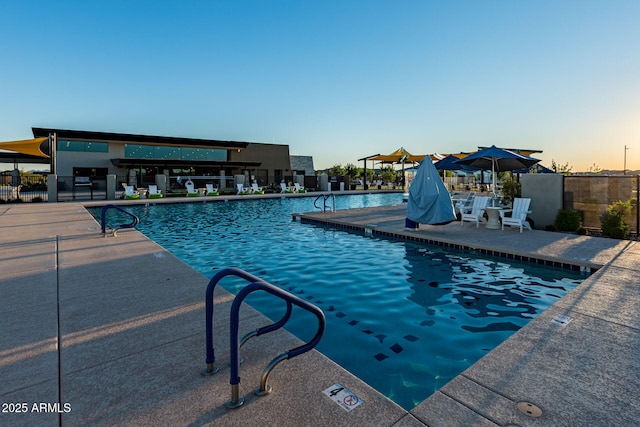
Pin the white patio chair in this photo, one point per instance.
(476, 213)
(465, 205)
(284, 188)
(191, 190)
(241, 189)
(212, 191)
(255, 189)
(518, 216)
(130, 193)
(154, 193)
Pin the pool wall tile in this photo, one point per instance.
(376, 232)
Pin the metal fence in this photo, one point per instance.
(30, 188)
(591, 196)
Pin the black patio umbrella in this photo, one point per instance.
(497, 160)
(449, 163)
(538, 168)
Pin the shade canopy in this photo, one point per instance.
(399, 156)
(34, 147)
(429, 201)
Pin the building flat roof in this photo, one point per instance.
(138, 139)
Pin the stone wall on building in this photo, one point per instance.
(302, 163)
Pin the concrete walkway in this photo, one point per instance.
(110, 331)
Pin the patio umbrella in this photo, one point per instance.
(497, 160)
(449, 163)
(538, 168)
(429, 201)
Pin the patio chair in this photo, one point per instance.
(15, 192)
(241, 189)
(476, 213)
(299, 189)
(518, 216)
(130, 193)
(191, 190)
(284, 188)
(255, 189)
(465, 205)
(212, 191)
(154, 193)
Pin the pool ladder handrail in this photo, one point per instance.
(103, 219)
(255, 284)
(325, 197)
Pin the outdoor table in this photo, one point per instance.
(493, 213)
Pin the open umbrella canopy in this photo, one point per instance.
(537, 168)
(34, 147)
(498, 160)
(450, 163)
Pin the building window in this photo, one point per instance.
(133, 151)
(83, 146)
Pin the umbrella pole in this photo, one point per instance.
(493, 183)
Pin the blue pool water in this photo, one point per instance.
(404, 317)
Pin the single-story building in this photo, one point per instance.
(138, 159)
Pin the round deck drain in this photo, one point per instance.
(529, 409)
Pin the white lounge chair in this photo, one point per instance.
(284, 188)
(241, 189)
(518, 216)
(130, 193)
(255, 189)
(15, 192)
(191, 190)
(212, 191)
(465, 205)
(154, 193)
(299, 188)
(477, 211)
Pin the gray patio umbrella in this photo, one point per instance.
(497, 160)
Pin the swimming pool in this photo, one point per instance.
(413, 316)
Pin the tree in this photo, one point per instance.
(594, 169)
(388, 174)
(351, 170)
(563, 169)
(336, 170)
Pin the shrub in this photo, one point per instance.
(581, 231)
(510, 190)
(567, 220)
(612, 221)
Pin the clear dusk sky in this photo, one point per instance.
(334, 79)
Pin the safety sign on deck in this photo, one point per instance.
(562, 319)
(343, 397)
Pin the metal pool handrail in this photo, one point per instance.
(103, 219)
(325, 197)
(254, 285)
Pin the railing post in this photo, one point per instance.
(235, 344)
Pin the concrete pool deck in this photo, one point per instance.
(114, 328)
